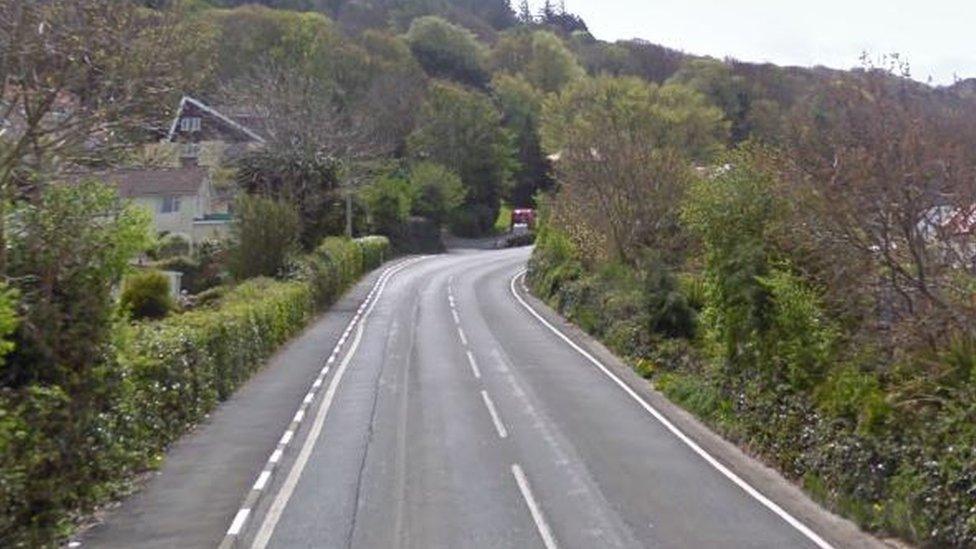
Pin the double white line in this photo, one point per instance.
(357, 322)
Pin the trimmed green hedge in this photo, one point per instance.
(167, 375)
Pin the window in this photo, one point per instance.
(190, 124)
(190, 150)
(171, 204)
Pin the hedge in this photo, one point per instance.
(166, 376)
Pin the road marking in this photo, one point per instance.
(464, 338)
(474, 365)
(540, 521)
(238, 523)
(262, 480)
(738, 481)
(499, 426)
(274, 513)
(286, 438)
(299, 416)
(457, 319)
(275, 456)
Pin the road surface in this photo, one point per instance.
(453, 410)
(460, 418)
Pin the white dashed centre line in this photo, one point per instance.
(499, 426)
(474, 365)
(262, 480)
(464, 338)
(239, 518)
(540, 521)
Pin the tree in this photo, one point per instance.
(521, 106)
(389, 200)
(878, 176)
(437, 191)
(81, 78)
(540, 57)
(552, 65)
(462, 131)
(330, 107)
(448, 51)
(624, 149)
(309, 182)
(264, 235)
(723, 87)
(69, 249)
(525, 16)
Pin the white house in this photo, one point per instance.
(180, 199)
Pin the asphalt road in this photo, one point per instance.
(454, 415)
(438, 405)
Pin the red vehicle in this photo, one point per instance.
(523, 219)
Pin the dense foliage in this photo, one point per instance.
(461, 130)
(264, 235)
(805, 298)
(146, 294)
(155, 380)
(801, 303)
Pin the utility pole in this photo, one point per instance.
(349, 211)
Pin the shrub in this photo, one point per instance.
(388, 200)
(172, 245)
(667, 309)
(799, 338)
(165, 376)
(67, 252)
(264, 234)
(146, 294)
(853, 395)
(375, 250)
(185, 265)
(437, 191)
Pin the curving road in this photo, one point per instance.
(454, 415)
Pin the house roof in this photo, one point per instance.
(141, 182)
(187, 100)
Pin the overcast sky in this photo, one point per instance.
(938, 37)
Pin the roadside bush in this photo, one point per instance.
(799, 338)
(856, 396)
(437, 191)
(146, 295)
(375, 249)
(473, 220)
(667, 309)
(264, 234)
(61, 455)
(389, 200)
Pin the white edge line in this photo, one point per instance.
(540, 521)
(758, 496)
(499, 426)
